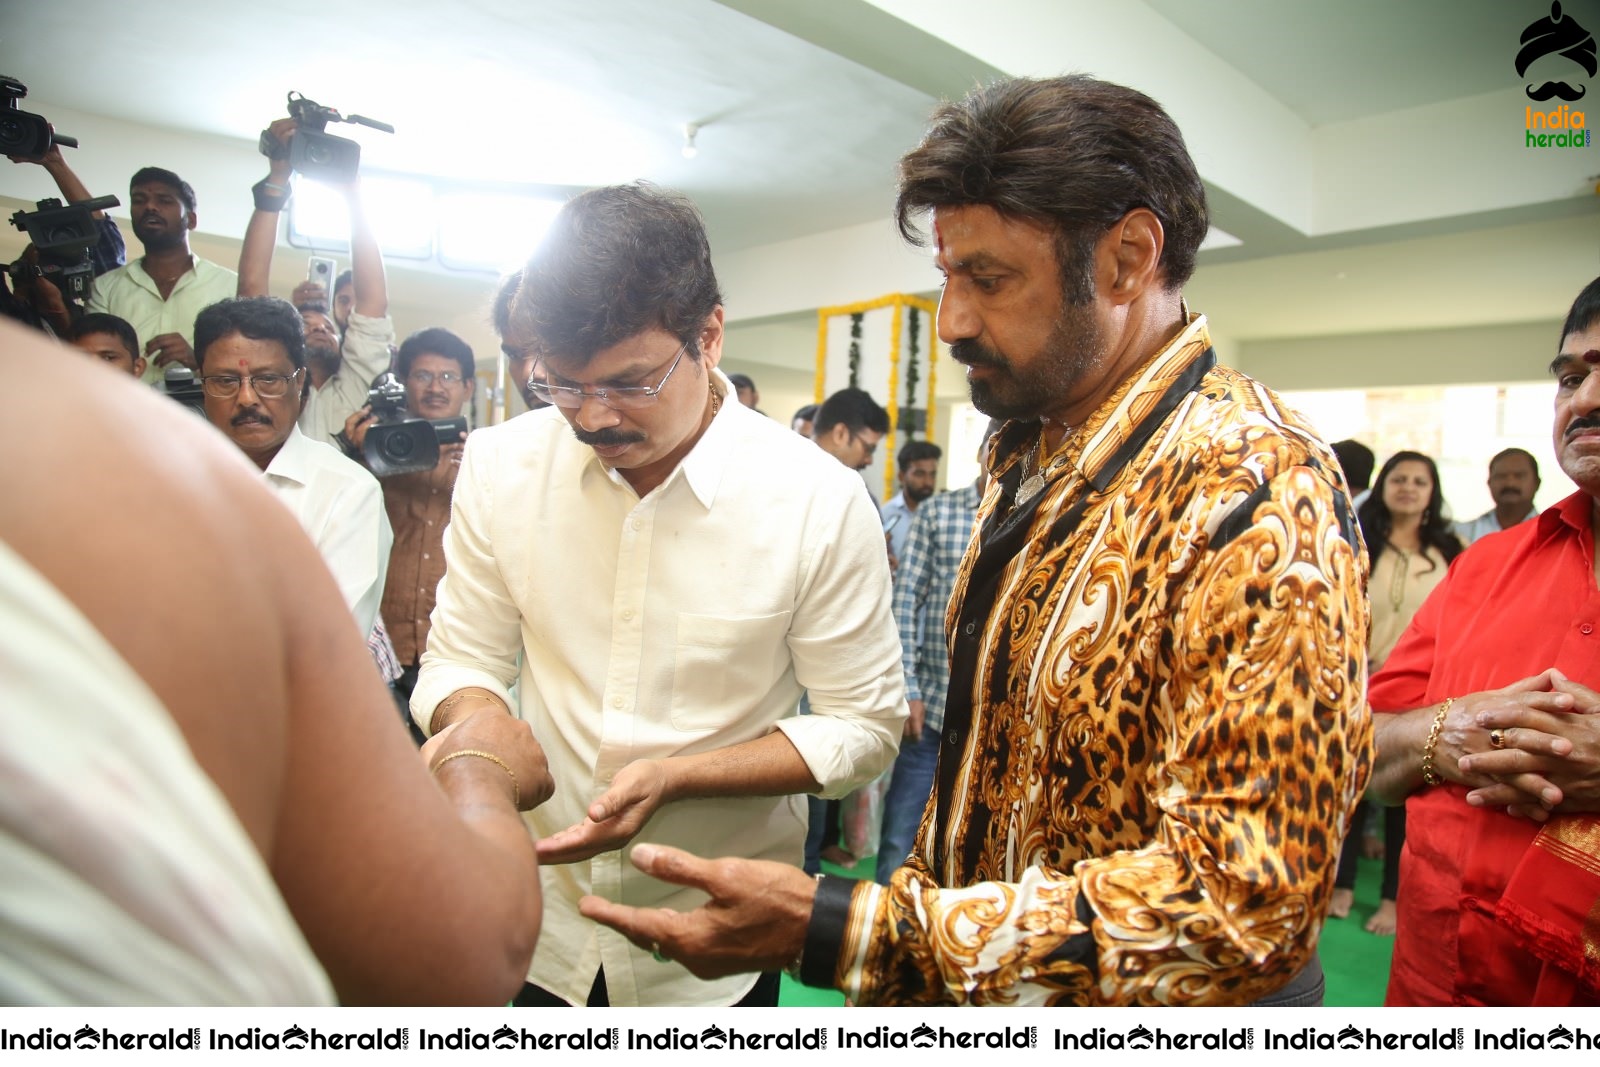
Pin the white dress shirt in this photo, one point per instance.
(340, 507)
(129, 293)
(683, 622)
(365, 355)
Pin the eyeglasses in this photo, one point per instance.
(423, 378)
(621, 397)
(266, 386)
(870, 446)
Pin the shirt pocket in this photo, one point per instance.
(724, 666)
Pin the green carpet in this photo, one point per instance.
(1356, 962)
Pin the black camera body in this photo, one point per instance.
(181, 385)
(313, 151)
(23, 133)
(399, 443)
(63, 235)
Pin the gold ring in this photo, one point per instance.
(1497, 738)
(655, 952)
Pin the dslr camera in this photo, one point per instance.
(23, 133)
(313, 151)
(398, 442)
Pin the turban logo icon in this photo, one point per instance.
(1559, 33)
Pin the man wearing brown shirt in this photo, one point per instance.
(437, 369)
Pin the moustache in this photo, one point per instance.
(971, 353)
(245, 417)
(607, 438)
(1556, 89)
(1580, 424)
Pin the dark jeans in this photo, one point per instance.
(764, 994)
(1394, 838)
(909, 789)
(822, 830)
(402, 697)
(1305, 990)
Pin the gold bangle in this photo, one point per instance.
(1429, 774)
(516, 790)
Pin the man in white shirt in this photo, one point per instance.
(662, 598)
(161, 292)
(1513, 480)
(253, 366)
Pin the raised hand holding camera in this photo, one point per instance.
(311, 150)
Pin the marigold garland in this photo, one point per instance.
(857, 312)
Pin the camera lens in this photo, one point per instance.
(399, 446)
(316, 153)
(12, 134)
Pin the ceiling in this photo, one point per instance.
(805, 105)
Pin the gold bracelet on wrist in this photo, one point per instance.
(516, 790)
(445, 705)
(1430, 774)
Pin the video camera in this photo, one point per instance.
(23, 133)
(398, 443)
(314, 152)
(63, 234)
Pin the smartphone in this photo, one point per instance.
(321, 270)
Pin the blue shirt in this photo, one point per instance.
(929, 561)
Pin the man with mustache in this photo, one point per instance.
(252, 359)
(340, 367)
(437, 370)
(161, 292)
(1155, 730)
(1488, 732)
(917, 470)
(1559, 34)
(661, 600)
(1513, 480)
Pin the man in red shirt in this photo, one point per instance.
(1487, 732)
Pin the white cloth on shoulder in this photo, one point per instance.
(127, 879)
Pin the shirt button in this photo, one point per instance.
(971, 629)
(1586, 628)
(637, 525)
(950, 737)
(616, 702)
(626, 615)
(426, 556)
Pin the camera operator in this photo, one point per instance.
(34, 299)
(437, 368)
(253, 369)
(341, 370)
(161, 292)
(112, 339)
